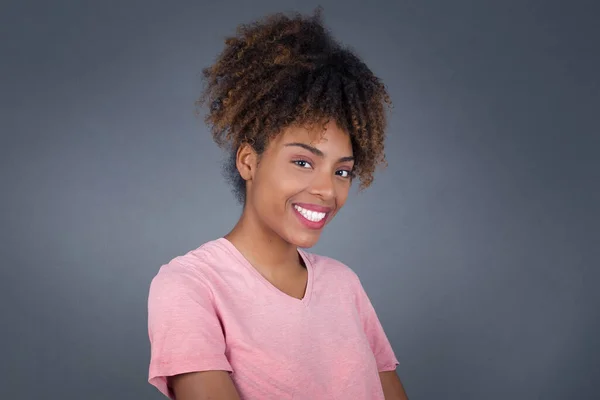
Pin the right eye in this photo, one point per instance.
(302, 163)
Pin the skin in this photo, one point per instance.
(298, 166)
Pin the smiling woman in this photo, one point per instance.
(251, 315)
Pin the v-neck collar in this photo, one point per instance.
(309, 268)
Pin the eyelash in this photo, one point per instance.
(298, 162)
(347, 171)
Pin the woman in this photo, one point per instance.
(250, 315)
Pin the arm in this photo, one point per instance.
(187, 344)
(380, 345)
(207, 385)
(392, 387)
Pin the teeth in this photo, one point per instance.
(313, 216)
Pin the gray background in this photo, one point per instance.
(478, 245)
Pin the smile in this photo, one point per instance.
(313, 216)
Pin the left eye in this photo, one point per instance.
(343, 173)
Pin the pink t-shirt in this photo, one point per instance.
(211, 310)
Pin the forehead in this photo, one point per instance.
(328, 136)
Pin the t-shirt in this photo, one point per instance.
(211, 310)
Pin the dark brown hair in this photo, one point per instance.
(287, 70)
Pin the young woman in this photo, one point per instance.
(250, 315)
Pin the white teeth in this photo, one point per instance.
(313, 216)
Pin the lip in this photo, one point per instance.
(312, 207)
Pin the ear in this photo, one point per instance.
(246, 161)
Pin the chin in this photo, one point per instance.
(305, 241)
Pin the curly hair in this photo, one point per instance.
(287, 70)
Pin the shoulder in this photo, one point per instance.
(192, 270)
(332, 268)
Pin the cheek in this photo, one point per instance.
(277, 185)
(289, 178)
(342, 192)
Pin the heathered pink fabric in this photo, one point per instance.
(211, 310)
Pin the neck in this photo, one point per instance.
(262, 247)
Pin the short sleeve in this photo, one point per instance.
(183, 327)
(380, 345)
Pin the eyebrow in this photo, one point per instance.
(316, 151)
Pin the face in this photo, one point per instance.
(300, 182)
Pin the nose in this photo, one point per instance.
(323, 185)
